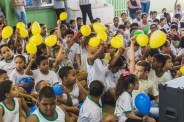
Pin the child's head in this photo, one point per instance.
(151, 54)
(7, 90)
(63, 29)
(142, 69)
(5, 51)
(79, 21)
(168, 65)
(132, 30)
(156, 21)
(123, 16)
(127, 24)
(18, 48)
(40, 85)
(118, 65)
(43, 29)
(68, 37)
(67, 75)
(20, 62)
(151, 14)
(164, 10)
(178, 16)
(56, 52)
(96, 89)
(163, 20)
(47, 101)
(116, 21)
(159, 61)
(173, 29)
(111, 49)
(153, 27)
(134, 25)
(3, 75)
(167, 16)
(166, 47)
(138, 14)
(178, 7)
(127, 81)
(72, 24)
(42, 63)
(42, 49)
(144, 17)
(154, 15)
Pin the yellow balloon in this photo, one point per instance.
(23, 32)
(94, 42)
(102, 35)
(20, 25)
(85, 30)
(63, 16)
(7, 32)
(116, 42)
(157, 39)
(182, 70)
(121, 37)
(142, 39)
(99, 27)
(35, 28)
(36, 39)
(31, 48)
(51, 40)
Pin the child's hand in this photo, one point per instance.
(33, 57)
(59, 44)
(83, 39)
(145, 117)
(33, 99)
(121, 51)
(64, 89)
(59, 22)
(133, 40)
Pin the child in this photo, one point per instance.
(43, 72)
(177, 9)
(44, 33)
(91, 110)
(10, 107)
(168, 65)
(138, 17)
(7, 63)
(144, 22)
(73, 25)
(111, 53)
(43, 50)
(163, 22)
(114, 26)
(76, 90)
(173, 33)
(3, 75)
(156, 21)
(154, 16)
(124, 104)
(123, 18)
(48, 110)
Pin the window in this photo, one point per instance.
(35, 3)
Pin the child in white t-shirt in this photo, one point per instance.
(91, 110)
(177, 9)
(7, 63)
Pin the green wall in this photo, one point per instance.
(40, 14)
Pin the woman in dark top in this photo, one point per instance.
(133, 6)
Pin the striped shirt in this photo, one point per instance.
(84, 2)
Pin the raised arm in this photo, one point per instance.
(28, 69)
(175, 4)
(132, 55)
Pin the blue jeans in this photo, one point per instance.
(21, 16)
(154, 111)
(132, 15)
(145, 7)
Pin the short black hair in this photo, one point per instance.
(2, 71)
(162, 19)
(177, 16)
(78, 18)
(5, 87)
(156, 20)
(64, 71)
(119, 62)
(22, 57)
(39, 59)
(3, 45)
(69, 31)
(123, 13)
(121, 27)
(39, 48)
(116, 18)
(133, 25)
(46, 92)
(160, 58)
(152, 52)
(154, 12)
(163, 30)
(52, 31)
(37, 86)
(96, 88)
(174, 27)
(71, 21)
(41, 24)
(143, 14)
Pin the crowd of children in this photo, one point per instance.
(89, 76)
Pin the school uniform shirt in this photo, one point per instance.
(74, 95)
(74, 49)
(136, 21)
(95, 71)
(137, 54)
(157, 80)
(180, 51)
(10, 115)
(15, 76)
(60, 115)
(8, 66)
(124, 104)
(113, 28)
(177, 12)
(90, 111)
(51, 77)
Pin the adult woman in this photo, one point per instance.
(133, 6)
(145, 6)
(20, 10)
(85, 6)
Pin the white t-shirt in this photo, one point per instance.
(60, 115)
(84, 56)
(180, 51)
(10, 115)
(177, 12)
(157, 80)
(74, 49)
(124, 104)
(74, 95)
(7, 66)
(113, 28)
(51, 77)
(15, 76)
(95, 71)
(137, 54)
(135, 21)
(90, 111)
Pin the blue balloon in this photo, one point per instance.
(32, 109)
(28, 81)
(143, 103)
(57, 89)
(80, 105)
